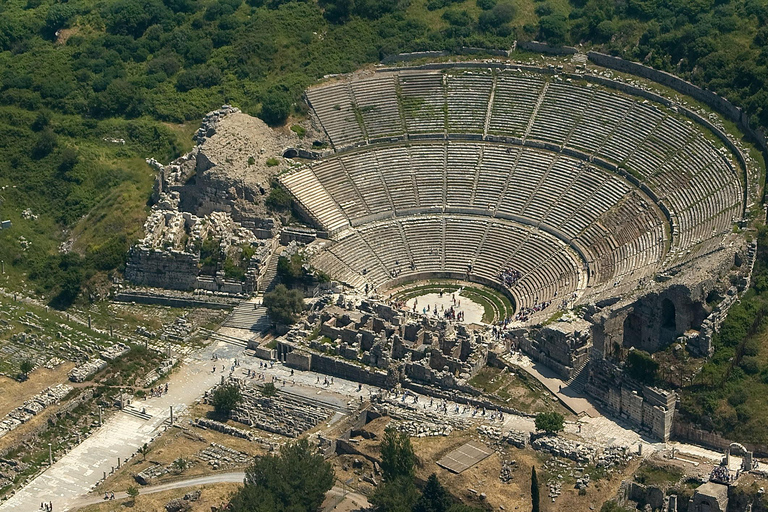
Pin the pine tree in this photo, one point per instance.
(534, 490)
(435, 498)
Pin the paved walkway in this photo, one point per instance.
(333, 497)
(235, 477)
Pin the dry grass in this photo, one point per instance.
(211, 496)
(484, 478)
(14, 393)
(174, 444)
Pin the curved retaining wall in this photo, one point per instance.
(718, 103)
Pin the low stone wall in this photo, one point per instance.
(536, 46)
(686, 432)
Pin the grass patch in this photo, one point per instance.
(651, 474)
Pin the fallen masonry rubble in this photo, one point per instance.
(516, 438)
(507, 467)
(560, 447)
(115, 351)
(84, 371)
(424, 429)
(225, 429)
(33, 406)
(219, 456)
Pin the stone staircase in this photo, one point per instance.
(133, 411)
(249, 316)
(269, 280)
(579, 378)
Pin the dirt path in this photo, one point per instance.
(333, 499)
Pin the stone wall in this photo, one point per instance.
(563, 346)
(536, 46)
(651, 409)
(162, 269)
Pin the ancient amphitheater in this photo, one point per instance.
(577, 190)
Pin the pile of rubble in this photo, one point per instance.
(178, 330)
(613, 456)
(146, 476)
(84, 371)
(9, 469)
(582, 482)
(555, 489)
(516, 438)
(115, 351)
(560, 447)
(166, 365)
(422, 429)
(224, 429)
(505, 475)
(218, 456)
(33, 406)
(409, 412)
(210, 121)
(182, 504)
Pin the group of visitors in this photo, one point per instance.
(510, 276)
(525, 313)
(721, 474)
(158, 391)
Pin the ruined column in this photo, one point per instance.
(50, 454)
(672, 505)
(100, 423)
(171, 415)
(89, 321)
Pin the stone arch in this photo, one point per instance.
(668, 315)
(737, 446)
(632, 330)
(290, 153)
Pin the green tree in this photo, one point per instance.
(284, 305)
(434, 497)
(144, 451)
(26, 366)
(397, 456)
(554, 29)
(549, 422)
(180, 464)
(226, 398)
(275, 108)
(295, 480)
(133, 493)
(641, 366)
(397, 495)
(535, 498)
(269, 389)
(45, 143)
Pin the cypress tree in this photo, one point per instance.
(534, 490)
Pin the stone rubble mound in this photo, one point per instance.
(33, 407)
(86, 370)
(560, 447)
